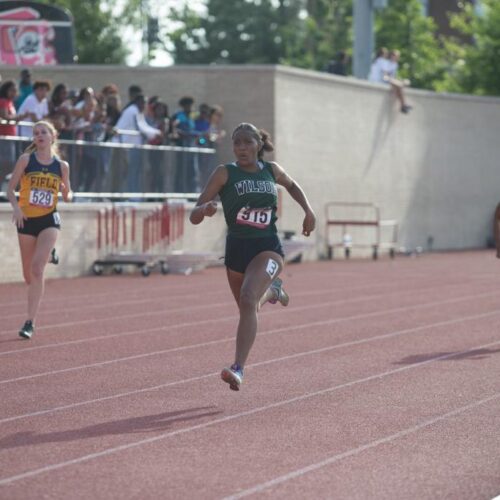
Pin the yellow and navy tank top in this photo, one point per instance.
(249, 201)
(39, 186)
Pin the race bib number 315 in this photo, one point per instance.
(255, 217)
(41, 198)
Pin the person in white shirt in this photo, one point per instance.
(377, 69)
(384, 70)
(132, 119)
(35, 107)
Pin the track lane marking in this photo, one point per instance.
(252, 365)
(259, 488)
(268, 332)
(329, 390)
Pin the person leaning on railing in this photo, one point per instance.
(8, 113)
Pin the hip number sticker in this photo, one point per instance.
(255, 217)
(41, 198)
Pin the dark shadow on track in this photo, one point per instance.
(149, 423)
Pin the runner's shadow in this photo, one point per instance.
(149, 423)
(475, 354)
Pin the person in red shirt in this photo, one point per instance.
(8, 92)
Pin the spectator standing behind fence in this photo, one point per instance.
(35, 107)
(184, 133)
(132, 119)
(60, 111)
(8, 92)
(25, 87)
(202, 129)
(88, 127)
(160, 120)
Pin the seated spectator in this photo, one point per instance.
(378, 66)
(35, 107)
(384, 69)
(25, 87)
(391, 69)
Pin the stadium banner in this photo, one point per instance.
(35, 34)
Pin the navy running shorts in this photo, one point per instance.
(35, 225)
(241, 251)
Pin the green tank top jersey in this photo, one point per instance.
(249, 201)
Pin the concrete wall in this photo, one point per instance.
(434, 170)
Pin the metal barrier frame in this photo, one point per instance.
(374, 222)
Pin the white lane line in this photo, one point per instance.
(194, 346)
(119, 303)
(259, 488)
(194, 307)
(309, 395)
(24, 349)
(124, 316)
(253, 365)
(226, 318)
(163, 311)
(167, 287)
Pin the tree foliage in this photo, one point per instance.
(476, 67)
(244, 31)
(403, 26)
(97, 29)
(325, 30)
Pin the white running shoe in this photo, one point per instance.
(232, 376)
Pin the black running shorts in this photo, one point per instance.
(241, 251)
(35, 225)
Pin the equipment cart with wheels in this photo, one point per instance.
(350, 225)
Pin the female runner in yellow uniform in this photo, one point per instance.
(41, 175)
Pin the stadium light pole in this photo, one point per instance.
(364, 35)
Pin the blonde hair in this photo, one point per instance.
(54, 148)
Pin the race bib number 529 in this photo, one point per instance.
(255, 217)
(41, 198)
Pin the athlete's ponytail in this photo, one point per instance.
(54, 148)
(267, 145)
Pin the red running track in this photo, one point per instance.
(381, 380)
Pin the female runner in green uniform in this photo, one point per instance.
(254, 257)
